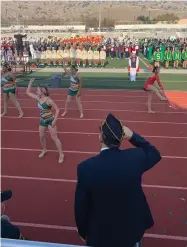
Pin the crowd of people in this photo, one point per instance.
(94, 50)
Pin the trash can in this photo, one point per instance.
(56, 81)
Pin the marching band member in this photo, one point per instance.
(102, 57)
(60, 55)
(84, 56)
(42, 56)
(38, 56)
(133, 66)
(184, 57)
(96, 58)
(72, 55)
(66, 56)
(2, 54)
(137, 48)
(17, 58)
(9, 54)
(149, 52)
(176, 58)
(167, 57)
(90, 56)
(78, 56)
(14, 57)
(25, 56)
(157, 57)
(31, 50)
(54, 55)
(48, 56)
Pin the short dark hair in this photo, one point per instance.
(111, 143)
(156, 68)
(74, 67)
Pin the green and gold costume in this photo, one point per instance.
(46, 115)
(9, 85)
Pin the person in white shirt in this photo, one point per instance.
(90, 56)
(78, 56)
(102, 57)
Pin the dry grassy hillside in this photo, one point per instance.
(30, 12)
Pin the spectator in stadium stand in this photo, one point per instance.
(8, 230)
(110, 206)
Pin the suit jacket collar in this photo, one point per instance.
(105, 148)
(108, 150)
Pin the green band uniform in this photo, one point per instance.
(168, 56)
(184, 55)
(176, 55)
(158, 56)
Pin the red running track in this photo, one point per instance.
(46, 211)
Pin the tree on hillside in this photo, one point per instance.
(169, 18)
(144, 19)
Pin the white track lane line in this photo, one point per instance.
(74, 181)
(69, 228)
(85, 133)
(100, 120)
(106, 102)
(79, 152)
(108, 110)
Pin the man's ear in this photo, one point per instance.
(101, 138)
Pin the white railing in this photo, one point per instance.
(23, 243)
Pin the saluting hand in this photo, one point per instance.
(128, 133)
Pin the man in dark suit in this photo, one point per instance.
(110, 206)
(8, 230)
(19, 43)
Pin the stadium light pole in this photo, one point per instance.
(100, 1)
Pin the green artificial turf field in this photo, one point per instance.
(111, 80)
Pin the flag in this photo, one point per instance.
(177, 100)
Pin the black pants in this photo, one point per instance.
(19, 48)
